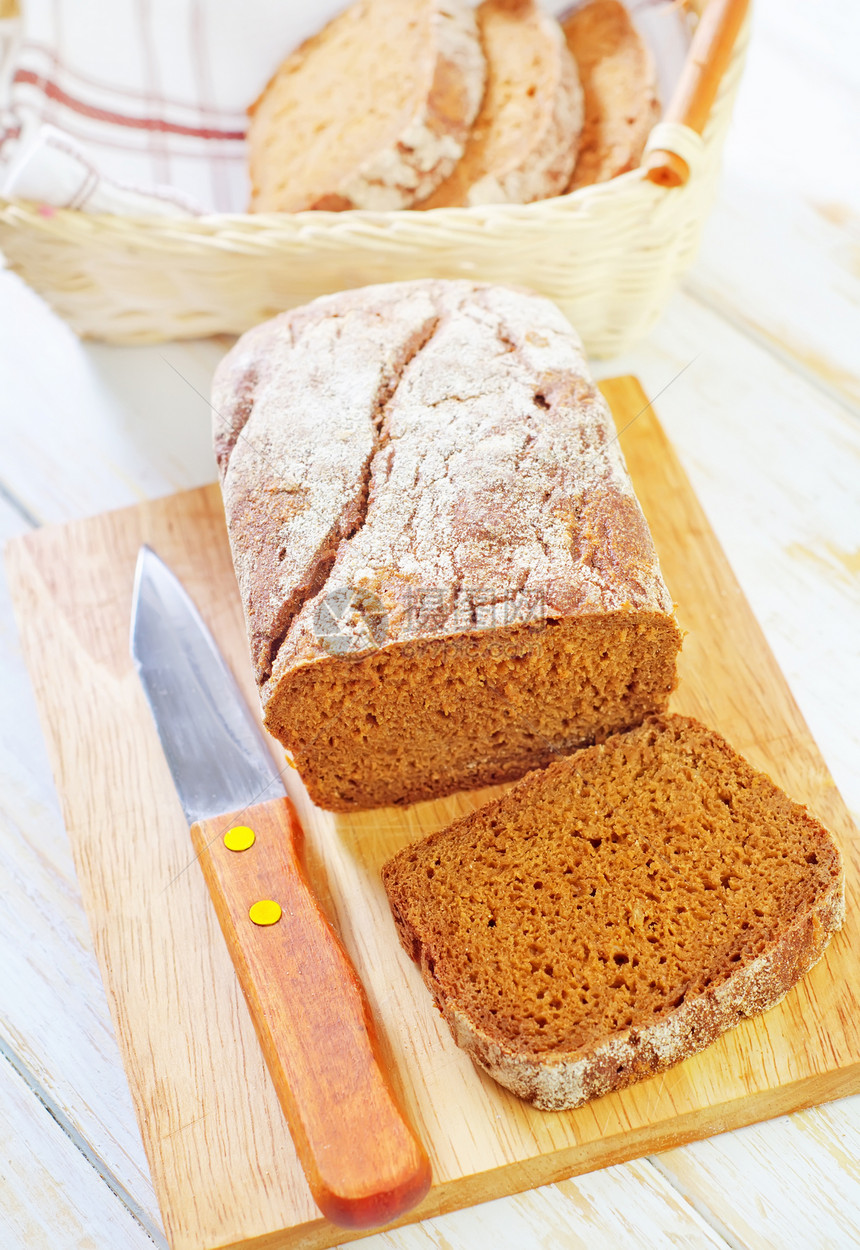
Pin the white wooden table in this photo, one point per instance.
(767, 422)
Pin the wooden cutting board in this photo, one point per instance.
(221, 1157)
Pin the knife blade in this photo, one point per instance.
(362, 1160)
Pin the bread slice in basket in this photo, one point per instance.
(372, 112)
(524, 142)
(617, 911)
(620, 85)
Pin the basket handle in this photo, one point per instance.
(690, 106)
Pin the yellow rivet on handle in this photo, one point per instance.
(239, 838)
(265, 912)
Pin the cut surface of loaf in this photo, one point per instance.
(445, 573)
(524, 142)
(620, 85)
(372, 112)
(616, 912)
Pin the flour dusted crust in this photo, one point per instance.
(431, 462)
(468, 478)
(316, 144)
(524, 142)
(620, 84)
(440, 925)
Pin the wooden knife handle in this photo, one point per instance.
(364, 1164)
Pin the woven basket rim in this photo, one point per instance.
(314, 221)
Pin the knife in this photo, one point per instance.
(364, 1164)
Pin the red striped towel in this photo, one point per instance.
(152, 93)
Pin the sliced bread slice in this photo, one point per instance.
(373, 112)
(620, 85)
(524, 141)
(617, 911)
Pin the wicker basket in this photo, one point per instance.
(609, 254)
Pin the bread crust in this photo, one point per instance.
(544, 163)
(619, 81)
(418, 157)
(363, 486)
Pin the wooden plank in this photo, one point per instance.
(622, 1208)
(50, 1195)
(779, 252)
(53, 1008)
(757, 1183)
(222, 1163)
(52, 1002)
(89, 427)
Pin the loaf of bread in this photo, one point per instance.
(373, 112)
(524, 142)
(620, 85)
(616, 912)
(446, 576)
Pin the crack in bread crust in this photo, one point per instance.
(355, 513)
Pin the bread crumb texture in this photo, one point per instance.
(615, 912)
(445, 572)
(373, 112)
